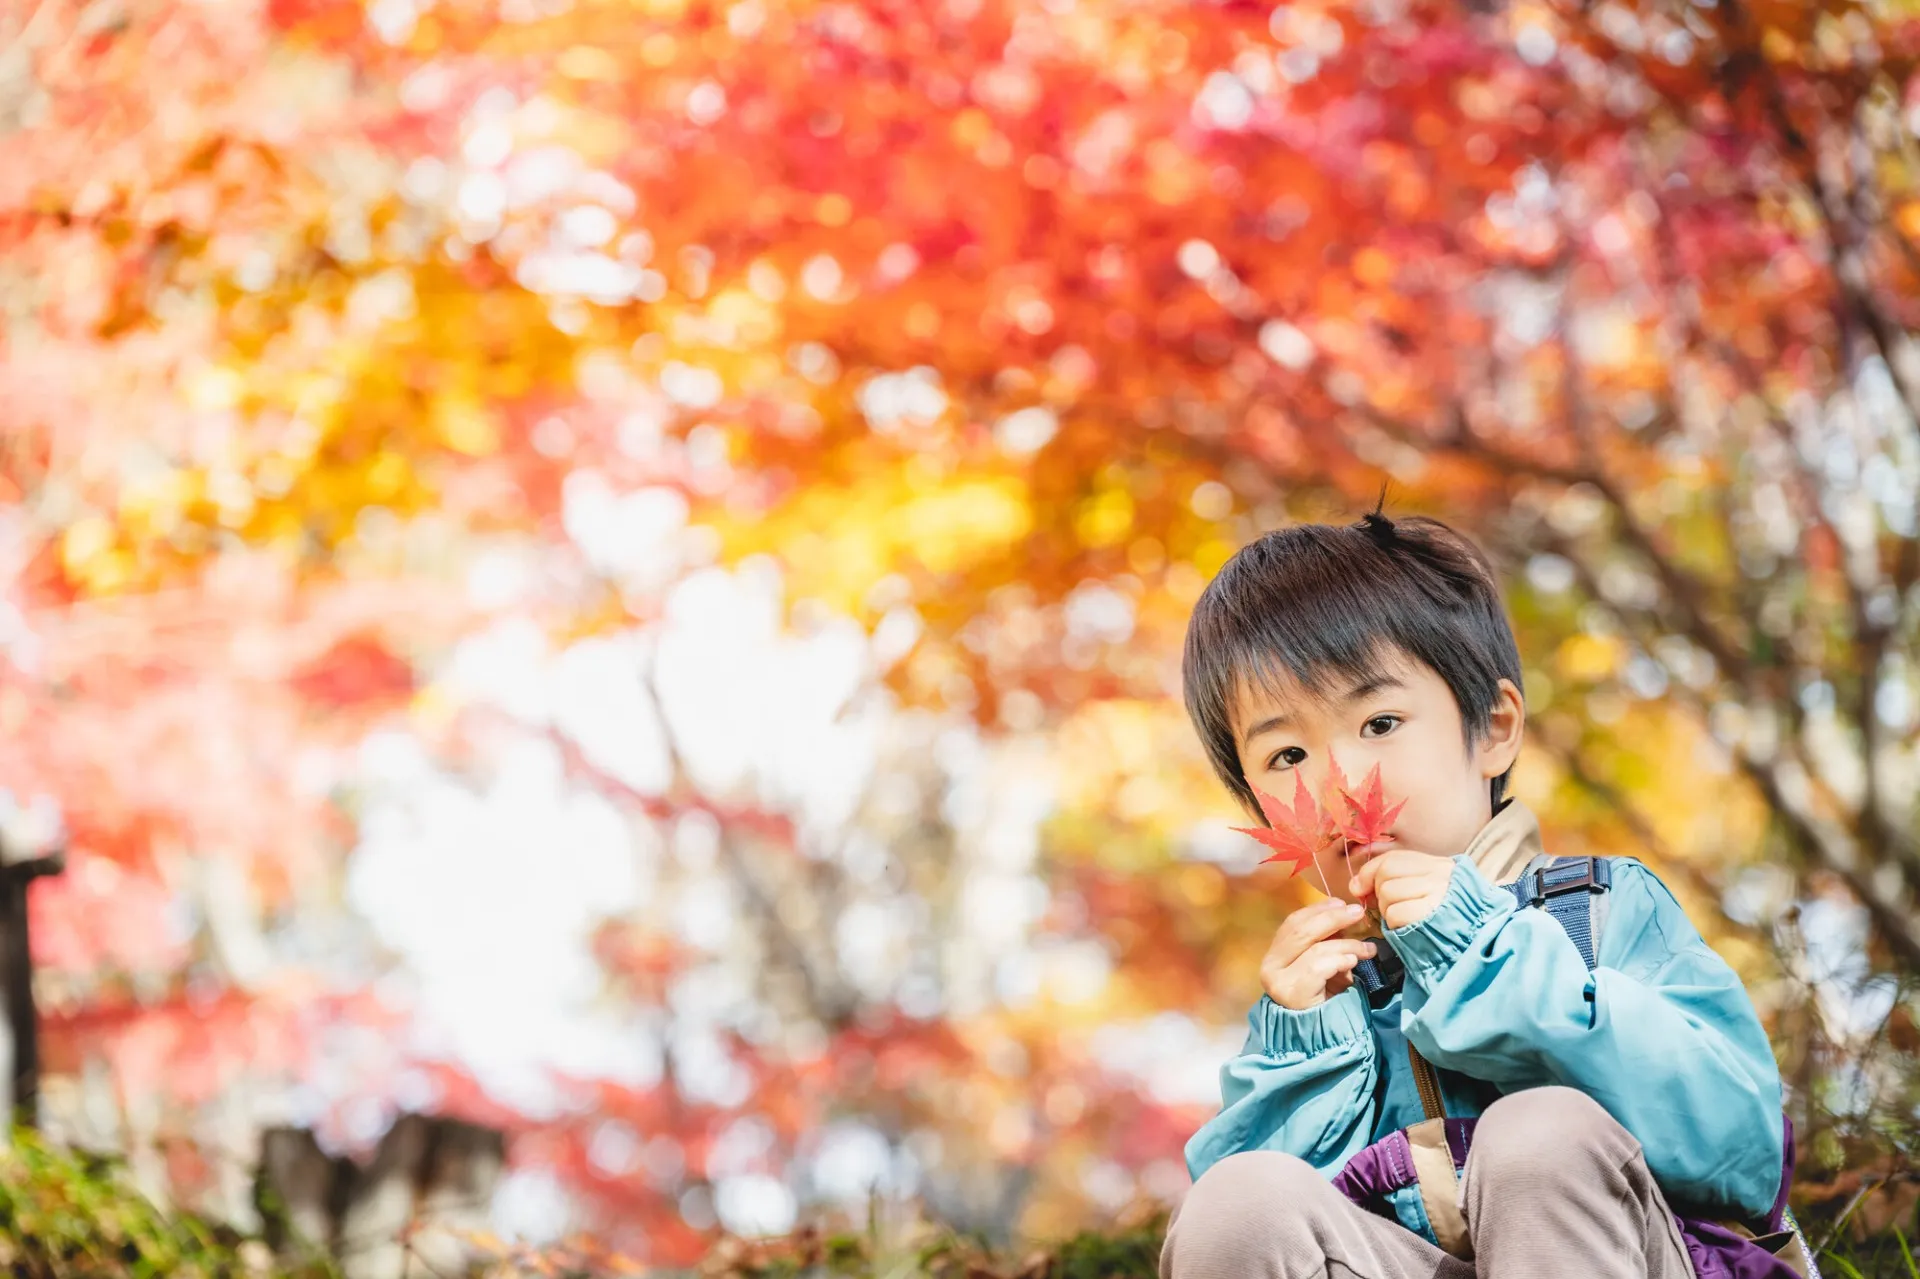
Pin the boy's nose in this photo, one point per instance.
(1324, 769)
(1324, 775)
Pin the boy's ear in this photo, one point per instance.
(1506, 726)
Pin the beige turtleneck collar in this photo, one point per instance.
(1504, 846)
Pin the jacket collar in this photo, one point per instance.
(1506, 844)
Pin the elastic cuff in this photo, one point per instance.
(1285, 1032)
(1431, 945)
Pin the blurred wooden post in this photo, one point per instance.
(295, 1192)
(374, 1223)
(20, 1053)
(400, 1216)
(456, 1195)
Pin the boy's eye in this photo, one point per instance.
(1391, 721)
(1291, 756)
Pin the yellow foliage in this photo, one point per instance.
(1105, 519)
(838, 541)
(583, 62)
(1136, 759)
(1586, 658)
(153, 504)
(737, 318)
(1908, 219)
(85, 538)
(947, 528)
(1202, 886)
(465, 425)
(1211, 556)
(214, 388)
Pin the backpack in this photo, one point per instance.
(1432, 1154)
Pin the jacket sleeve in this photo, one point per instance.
(1661, 1033)
(1303, 1084)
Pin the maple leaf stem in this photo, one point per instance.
(1346, 851)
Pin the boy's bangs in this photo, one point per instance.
(1295, 665)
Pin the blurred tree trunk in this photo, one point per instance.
(400, 1214)
(20, 1028)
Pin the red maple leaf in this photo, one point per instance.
(1366, 817)
(1294, 833)
(357, 669)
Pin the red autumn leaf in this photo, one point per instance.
(1367, 817)
(1333, 790)
(1294, 833)
(357, 670)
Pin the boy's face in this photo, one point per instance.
(1404, 719)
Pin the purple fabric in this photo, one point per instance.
(1387, 1165)
(1374, 1173)
(1777, 1219)
(1459, 1137)
(1716, 1251)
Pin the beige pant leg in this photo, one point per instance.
(1555, 1186)
(1265, 1215)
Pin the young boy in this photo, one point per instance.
(1599, 1102)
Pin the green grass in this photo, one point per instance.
(69, 1213)
(1887, 1256)
(927, 1249)
(66, 1213)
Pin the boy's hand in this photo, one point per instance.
(1307, 964)
(1405, 887)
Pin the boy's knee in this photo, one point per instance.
(1257, 1180)
(1246, 1206)
(1547, 1136)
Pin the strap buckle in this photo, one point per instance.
(1589, 873)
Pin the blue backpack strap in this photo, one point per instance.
(1380, 977)
(1565, 889)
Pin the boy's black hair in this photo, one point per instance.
(1319, 599)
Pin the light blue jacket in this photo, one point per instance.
(1661, 1033)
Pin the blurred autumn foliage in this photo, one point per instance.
(616, 570)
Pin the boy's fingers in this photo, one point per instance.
(1324, 967)
(1393, 865)
(1401, 862)
(1341, 953)
(1366, 884)
(1335, 963)
(1332, 908)
(1321, 920)
(1400, 888)
(1304, 930)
